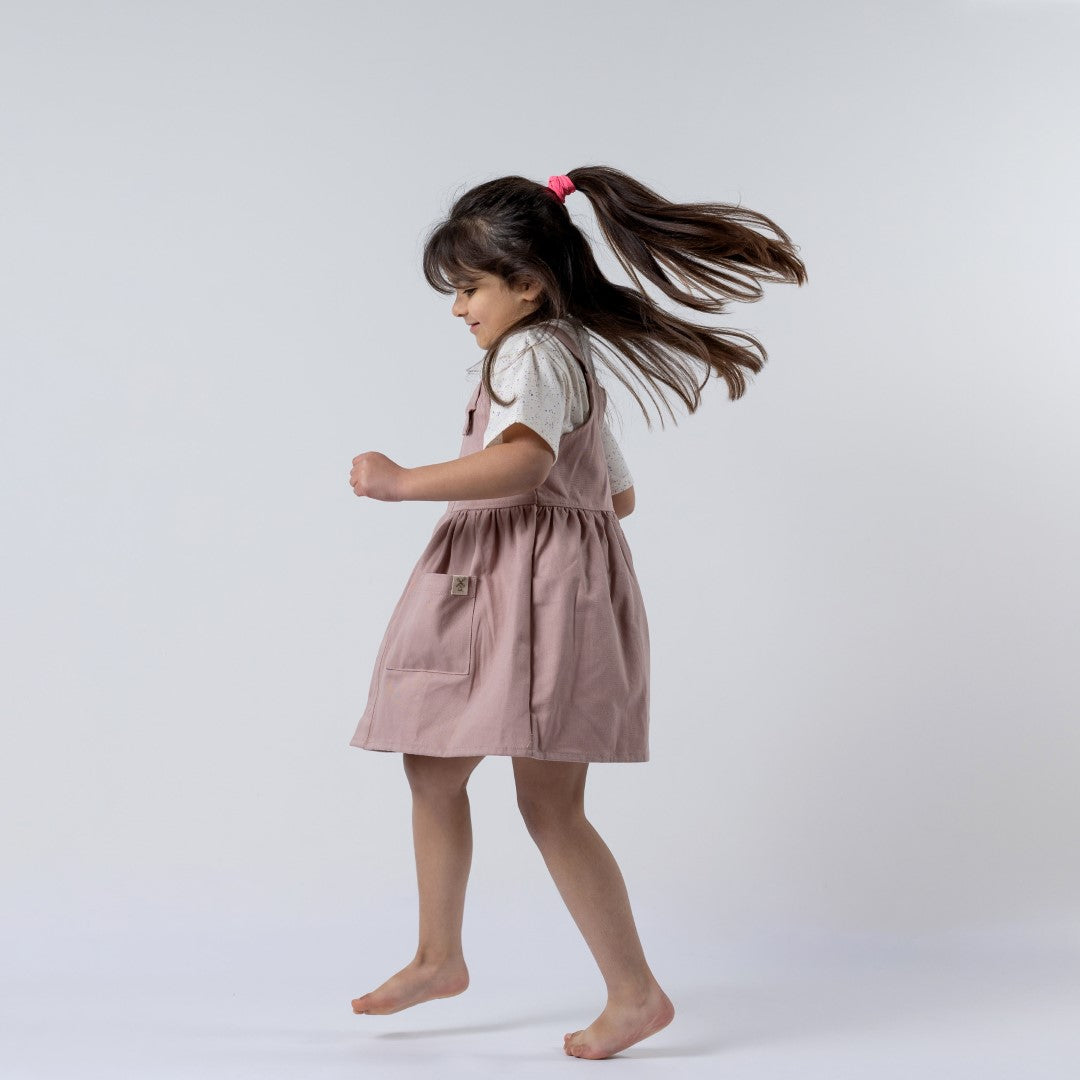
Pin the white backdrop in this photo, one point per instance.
(861, 578)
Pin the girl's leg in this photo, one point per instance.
(551, 797)
(442, 839)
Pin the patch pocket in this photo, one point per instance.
(433, 630)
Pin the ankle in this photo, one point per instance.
(438, 958)
(633, 994)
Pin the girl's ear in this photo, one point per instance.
(530, 289)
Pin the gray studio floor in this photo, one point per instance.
(271, 1000)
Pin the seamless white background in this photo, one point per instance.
(861, 577)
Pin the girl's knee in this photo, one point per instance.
(546, 817)
(550, 795)
(438, 775)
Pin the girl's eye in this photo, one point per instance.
(467, 291)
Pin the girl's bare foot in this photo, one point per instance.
(418, 981)
(621, 1025)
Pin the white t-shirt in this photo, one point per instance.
(536, 369)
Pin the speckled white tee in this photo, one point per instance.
(551, 397)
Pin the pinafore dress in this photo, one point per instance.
(521, 630)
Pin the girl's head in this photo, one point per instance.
(512, 256)
(507, 250)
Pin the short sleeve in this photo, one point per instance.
(618, 472)
(537, 384)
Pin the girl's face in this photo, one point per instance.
(489, 305)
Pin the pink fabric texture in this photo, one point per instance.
(562, 186)
(521, 630)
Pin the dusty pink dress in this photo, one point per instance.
(521, 630)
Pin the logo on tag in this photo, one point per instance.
(459, 585)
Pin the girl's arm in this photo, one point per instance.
(623, 501)
(519, 463)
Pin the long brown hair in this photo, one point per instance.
(519, 229)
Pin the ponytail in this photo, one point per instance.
(517, 228)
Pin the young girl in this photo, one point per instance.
(521, 631)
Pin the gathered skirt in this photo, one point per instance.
(521, 631)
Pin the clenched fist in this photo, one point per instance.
(376, 476)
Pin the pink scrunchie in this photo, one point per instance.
(562, 186)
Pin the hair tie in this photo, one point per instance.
(561, 185)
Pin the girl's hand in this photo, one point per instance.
(376, 476)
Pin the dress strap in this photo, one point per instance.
(471, 408)
(585, 363)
